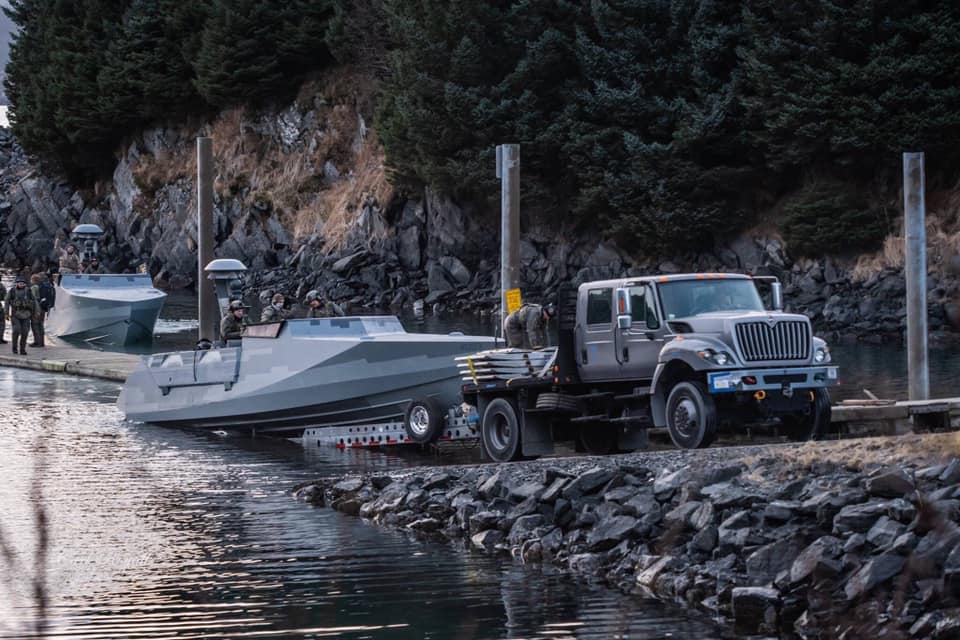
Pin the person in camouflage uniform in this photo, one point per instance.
(21, 307)
(69, 258)
(317, 307)
(231, 325)
(275, 312)
(3, 316)
(95, 268)
(526, 328)
(36, 323)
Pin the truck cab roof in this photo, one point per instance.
(637, 280)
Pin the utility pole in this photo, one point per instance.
(508, 170)
(915, 271)
(206, 296)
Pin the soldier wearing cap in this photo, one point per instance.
(21, 307)
(275, 311)
(317, 307)
(526, 328)
(231, 325)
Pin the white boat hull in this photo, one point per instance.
(106, 309)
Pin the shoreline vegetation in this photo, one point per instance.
(845, 539)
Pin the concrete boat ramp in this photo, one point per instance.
(61, 357)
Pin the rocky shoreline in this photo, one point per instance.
(847, 539)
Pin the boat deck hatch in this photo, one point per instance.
(194, 368)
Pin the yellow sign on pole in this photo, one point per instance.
(514, 301)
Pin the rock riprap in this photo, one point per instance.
(774, 544)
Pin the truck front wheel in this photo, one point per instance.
(691, 416)
(814, 425)
(500, 431)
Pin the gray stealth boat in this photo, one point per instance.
(284, 377)
(117, 309)
(111, 309)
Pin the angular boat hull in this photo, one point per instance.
(314, 373)
(109, 309)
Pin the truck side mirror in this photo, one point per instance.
(776, 291)
(624, 310)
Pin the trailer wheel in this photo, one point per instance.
(423, 420)
(691, 416)
(814, 425)
(598, 439)
(500, 431)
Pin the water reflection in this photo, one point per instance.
(164, 533)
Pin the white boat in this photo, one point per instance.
(111, 309)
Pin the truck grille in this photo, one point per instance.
(788, 340)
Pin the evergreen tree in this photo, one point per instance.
(254, 51)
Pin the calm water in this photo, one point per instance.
(165, 533)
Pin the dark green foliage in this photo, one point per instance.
(828, 218)
(85, 75)
(255, 52)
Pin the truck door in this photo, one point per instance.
(645, 338)
(595, 335)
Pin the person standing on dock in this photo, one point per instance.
(69, 258)
(36, 323)
(275, 312)
(21, 307)
(231, 325)
(526, 328)
(3, 316)
(317, 307)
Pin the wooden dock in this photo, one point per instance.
(60, 357)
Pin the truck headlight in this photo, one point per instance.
(821, 355)
(721, 358)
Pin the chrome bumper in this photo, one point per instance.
(772, 379)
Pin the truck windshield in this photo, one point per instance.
(684, 298)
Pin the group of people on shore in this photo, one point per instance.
(232, 324)
(27, 303)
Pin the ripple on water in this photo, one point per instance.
(160, 533)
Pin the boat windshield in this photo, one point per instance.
(685, 298)
(106, 281)
(344, 327)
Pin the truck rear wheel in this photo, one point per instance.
(500, 431)
(423, 420)
(814, 425)
(691, 415)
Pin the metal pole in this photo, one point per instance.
(915, 232)
(508, 170)
(207, 300)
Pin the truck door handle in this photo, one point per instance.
(583, 356)
(626, 354)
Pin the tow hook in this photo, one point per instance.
(759, 395)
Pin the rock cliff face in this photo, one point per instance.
(388, 250)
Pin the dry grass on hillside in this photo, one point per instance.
(943, 239)
(292, 182)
